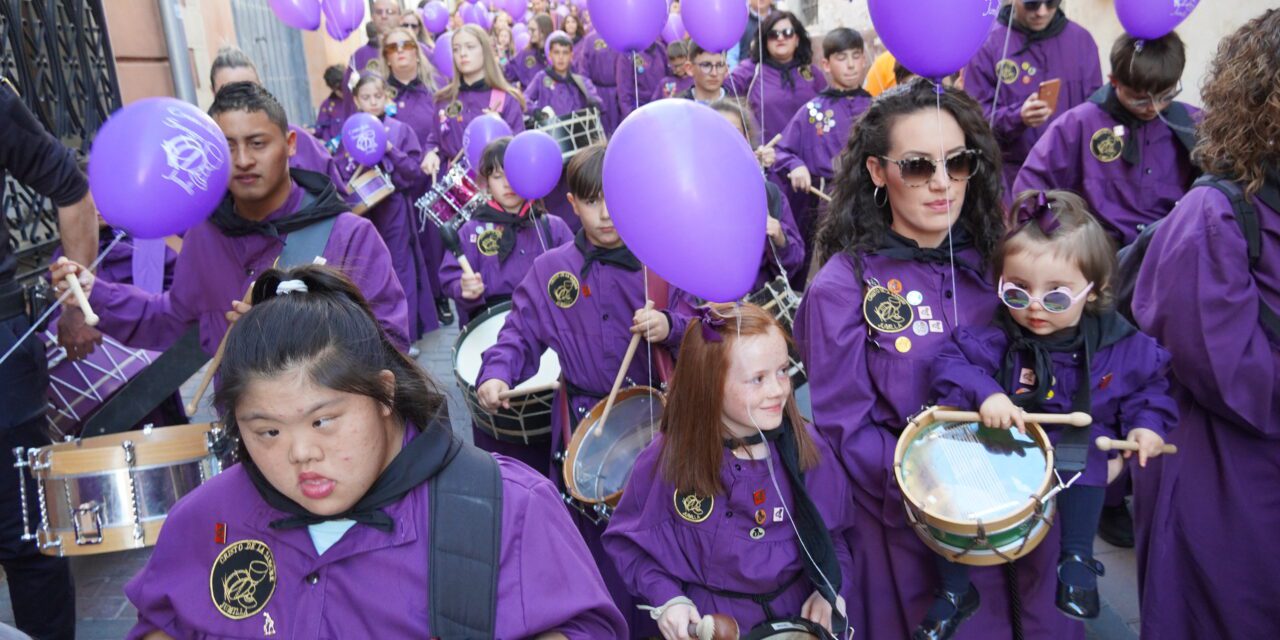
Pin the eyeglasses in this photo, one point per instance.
(1035, 6)
(1056, 301)
(411, 25)
(782, 34)
(960, 166)
(1164, 98)
(397, 47)
(386, 12)
(712, 67)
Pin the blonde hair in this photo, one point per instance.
(426, 71)
(492, 74)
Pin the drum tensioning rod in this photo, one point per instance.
(131, 458)
(21, 463)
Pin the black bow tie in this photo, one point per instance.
(618, 257)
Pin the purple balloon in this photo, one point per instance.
(533, 164)
(342, 17)
(1152, 19)
(546, 45)
(685, 193)
(562, 11)
(442, 55)
(167, 149)
(716, 25)
(628, 25)
(932, 38)
(435, 16)
(299, 14)
(468, 14)
(674, 29)
(520, 40)
(519, 28)
(485, 18)
(580, 4)
(515, 8)
(479, 134)
(364, 138)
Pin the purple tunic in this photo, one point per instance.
(453, 119)
(594, 59)
(864, 388)
(213, 269)
(364, 59)
(1125, 197)
(416, 107)
(772, 102)
(1127, 381)
(328, 119)
(645, 69)
(500, 278)
(524, 66)
(1197, 295)
(662, 555)
(369, 584)
(1071, 56)
(563, 97)
(671, 87)
(394, 217)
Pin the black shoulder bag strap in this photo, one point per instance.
(1247, 217)
(582, 88)
(466, 542)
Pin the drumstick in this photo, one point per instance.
(213, 364)
(90, 318)
(714, 626)
(820, 193)
(622, 373)
(774, 141)
(1107, 444)
(1076, 419)
(525, 391)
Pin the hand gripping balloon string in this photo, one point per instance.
(61, 299)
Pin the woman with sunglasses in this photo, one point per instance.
(412, 21)
(1043, 45)
(1057, 335)
(905, 250)
(782, 78)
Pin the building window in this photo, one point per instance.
(809, 11)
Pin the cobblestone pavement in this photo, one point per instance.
(104, 613)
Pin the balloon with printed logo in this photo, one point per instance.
(435, 16)
(715, 25)
(342, 17)
(628, 25)
(442, 55)
(364, 138)
(167, 150)
(299, 14)
(479, 133)
(533, 164)
(933, 38)
(1152, 19)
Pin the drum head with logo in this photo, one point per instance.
(482, 333)
(602, 455)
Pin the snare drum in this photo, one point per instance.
(796, 628)
(529, 418)
(978, 496)
(370, 188)
(78, 389)
(451, 200)
(601, 455)
(778, 299)
(112, 493)
(573, 131)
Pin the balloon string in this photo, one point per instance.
(995, 96)
(946, 177)
(61, 299)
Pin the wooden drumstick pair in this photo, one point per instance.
(1107, 444)
(622, 373)
(215, 362)
(1077, 419)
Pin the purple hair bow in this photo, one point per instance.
(1040, 213)
(710, 322)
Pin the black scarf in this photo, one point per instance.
(478, 85)
(895, 246)
(784, 69)
(511, 226)
(320, 191)
(1056, 26)
(1175, 116)
(1093, 333)
(403, 87)
(831, 92)
(620, 257)
(575, 81)
(418, 462)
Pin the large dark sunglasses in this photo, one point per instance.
(397, 47)
(1035, 6)
(782, 34)
(960, 166)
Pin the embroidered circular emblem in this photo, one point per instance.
(806, 73)
(693, 507)
(639, 64)
(487, 241)
(1106, 145)
(563, 289)
(453, 110)
(886, 311)
(371, 65)
(1007, 70)
(529, 62)
(548, 82)
(757, 533)
(242, 579)
(601, 44)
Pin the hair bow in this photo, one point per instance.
(1039, 212)
(710, 322)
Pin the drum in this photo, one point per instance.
(112, 493)
(573, 131)
(978, 496)
(529, 418)
(796, 628)
(370, 188)
(778, 299)
(78, 389)
(451, 200)
(601, 456)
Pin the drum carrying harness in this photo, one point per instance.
(466, 543)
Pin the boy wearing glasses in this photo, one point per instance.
(1042, 45)
(679, 80)
(1128, 149)
(708, 70)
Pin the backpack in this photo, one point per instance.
(1130, 258)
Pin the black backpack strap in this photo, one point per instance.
(1247, 217)
(582, 88)
(466, 541)
(303, 246)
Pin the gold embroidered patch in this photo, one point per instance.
(886, 311)
(806, 73)
(563, 289)
(692, 507)
(1007, 70)
(1106, 146)
(242, 579)
(488, 240)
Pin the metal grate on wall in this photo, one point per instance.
(278, 53)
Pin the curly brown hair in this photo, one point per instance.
(1242, 105)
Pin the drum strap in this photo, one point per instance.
(466, 540)
(762, 599)
(303, 246)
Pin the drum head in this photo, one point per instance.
(962, 471)
(482, 333)
(602, 456)
(787, 629)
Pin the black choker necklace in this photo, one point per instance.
(758, 437)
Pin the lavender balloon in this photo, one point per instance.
(435, 16)
(519, 28)
(716, 25)
(442, 56)
(515, 8)
(158, 167)
(932, 38)
(685, 193)
(674, 29)
(1152, 19)
(520, 40)
(364, 138)
(479, 134)
(533, 164)
(468, 14)
(546, 45)
(342, 17)
(628, 25)
(485, 18)
(299, 14)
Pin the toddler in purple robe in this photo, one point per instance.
(1056, 348)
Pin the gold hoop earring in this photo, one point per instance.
(875, 196)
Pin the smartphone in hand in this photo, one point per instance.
(1048, 93)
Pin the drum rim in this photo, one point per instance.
(55, 457)
(468, 329)
(961, 527)
(987, 556)
(579, 434)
